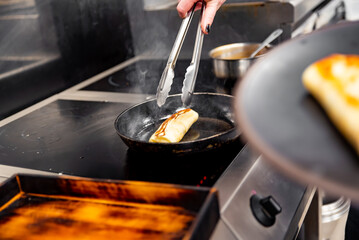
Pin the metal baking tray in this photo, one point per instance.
(58, 207)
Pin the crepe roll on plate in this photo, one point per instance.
(334, 83)
(174, 128)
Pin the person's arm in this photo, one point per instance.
(184, 6)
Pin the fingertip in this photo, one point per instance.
(206, 28)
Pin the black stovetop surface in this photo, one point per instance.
(79, 138)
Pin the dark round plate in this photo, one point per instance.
(214, 128)
(286, 124)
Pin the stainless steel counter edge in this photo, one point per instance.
(228, 184)
(8, 171)
(234, 175)
(301, 8)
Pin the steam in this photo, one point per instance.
(153, 37)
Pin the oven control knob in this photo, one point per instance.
(264, 209)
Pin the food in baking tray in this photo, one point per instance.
(334, 83)
(174, 128)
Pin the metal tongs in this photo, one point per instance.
(191, 73)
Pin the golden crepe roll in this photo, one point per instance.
(175, 127)
(334, 83)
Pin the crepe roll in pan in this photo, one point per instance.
(173, 129)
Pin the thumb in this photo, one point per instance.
(184, 6)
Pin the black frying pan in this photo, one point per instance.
(283, 121)
(214, 128)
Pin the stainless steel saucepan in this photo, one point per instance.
(233, 60)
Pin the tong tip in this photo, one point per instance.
(161, 99)
(186, 98)
(165, 86)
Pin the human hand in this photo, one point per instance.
(184, 6)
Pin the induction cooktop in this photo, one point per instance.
(79, 138)
(144, 75)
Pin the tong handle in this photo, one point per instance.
(197, 50)
(172, 59)
(192, 71)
